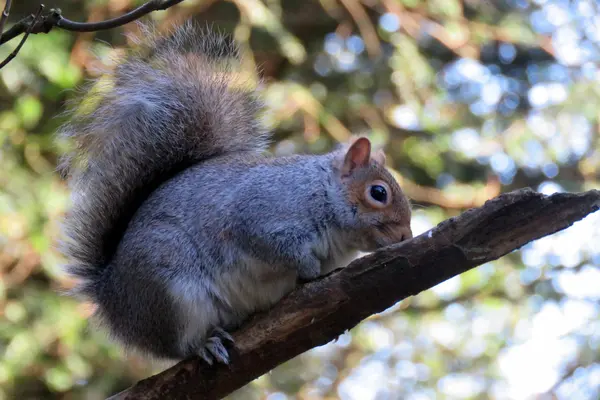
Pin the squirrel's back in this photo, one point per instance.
(175, 101)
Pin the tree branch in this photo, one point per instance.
(152, 5)
(319, 311)
(5, 13)
(54, 18)
(14, 53)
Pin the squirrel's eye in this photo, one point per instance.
(378, 193)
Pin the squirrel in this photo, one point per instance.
(181, 225)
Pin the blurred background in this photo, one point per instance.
(469, 98)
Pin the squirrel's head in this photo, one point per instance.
(379, 211)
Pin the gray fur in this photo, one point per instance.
(180, 227)
(220, 241)
(168, 99)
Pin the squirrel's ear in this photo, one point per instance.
(358, 155)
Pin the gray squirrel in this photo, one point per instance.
(181, 226)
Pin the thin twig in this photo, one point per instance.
(15, 51)
(54, 18)
(44, 25)
(365, 26)
(4, 16)
(139, 12)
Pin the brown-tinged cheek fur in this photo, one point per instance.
(355, 190)
(371, 237)
(400, 229)
(394, 220)
(355, 193)
(395, 227)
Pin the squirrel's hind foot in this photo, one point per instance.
(214, 347)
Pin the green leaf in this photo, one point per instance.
(29, 109)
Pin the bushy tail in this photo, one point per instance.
(176, 100)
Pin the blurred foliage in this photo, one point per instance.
(469, 98)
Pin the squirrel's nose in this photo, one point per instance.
(393, 234)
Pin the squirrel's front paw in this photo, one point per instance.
(214, 347)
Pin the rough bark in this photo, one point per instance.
(319, 311)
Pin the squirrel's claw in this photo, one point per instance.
(215, 346)
(204, 354)
(214, 349)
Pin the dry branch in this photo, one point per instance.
(320, 311)
(14, 53)
(4, 15)
(44, 23)
(54, 18)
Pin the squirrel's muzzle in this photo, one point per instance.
(392, 234)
